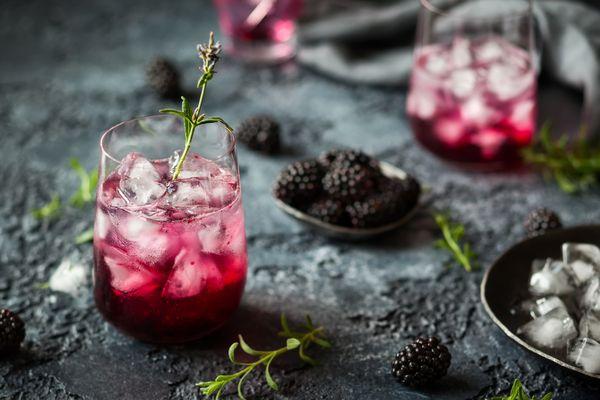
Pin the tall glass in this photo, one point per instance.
(260, 30)
(472, 97)
(169, 255)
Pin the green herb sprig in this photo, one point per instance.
(518, 393)
(87, 184)
(300, 340)
(48, 210)
(85, 236)
(574, 165)
(209, 54)
(452, 233)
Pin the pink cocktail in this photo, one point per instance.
(260, 30)
(170, 255)
(472, 97)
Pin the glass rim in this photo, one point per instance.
(429, 6)
(230, 148)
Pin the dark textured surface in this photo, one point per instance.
(70, 69)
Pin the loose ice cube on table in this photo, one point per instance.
(590, 300)
(589, 326)
(582, 261)
(551, 331)
(140, 181)
(586, 353)
(549, 277)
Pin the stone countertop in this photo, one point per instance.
(71, 69)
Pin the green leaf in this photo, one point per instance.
(292, 343)
(49, 210)
(321, 342)
(87, 184)
(270, 381)
(452, 234)
(85, 236)
(186, 109)
(231, 352)
(240, 386)
(284, 323)
(247, 349)
(548, 396)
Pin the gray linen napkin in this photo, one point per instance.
(342, 46)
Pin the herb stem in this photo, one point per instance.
(455, 248)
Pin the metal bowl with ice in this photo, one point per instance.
(544, 293)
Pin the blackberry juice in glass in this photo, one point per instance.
(260, 30)
(169, 255)
(472, 97)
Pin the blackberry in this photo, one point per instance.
(299, 183)
(403, 193)
(329, 211)
(540, 221)
(346, 158)
(421, 362)
(260, 133)
(12, 331)
(349, 184)
(163, 77)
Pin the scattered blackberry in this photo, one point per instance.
(346, 158)
(349, 184)
(12, 331)
(540, 221)
(299, 183)
(421, 362)
(260, 133)
(163, 77)
(329, 211)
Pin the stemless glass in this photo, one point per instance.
(169, 255)
(472, 97)
(260, 30)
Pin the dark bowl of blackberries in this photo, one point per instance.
(347, 194)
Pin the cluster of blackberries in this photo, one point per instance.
(12, 331)
(163, 78)
(540, 221)
(421, 362)
(260, 133)
(346, 188)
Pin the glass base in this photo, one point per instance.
(262, 52)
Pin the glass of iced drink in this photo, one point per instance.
(260, 30)
(472, 97)
(169, 255)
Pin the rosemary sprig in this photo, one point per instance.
(209, 54)
(87, 185)
(300, 340)
(518, 393)
(49, 210)
(452, 234)
(574, 165)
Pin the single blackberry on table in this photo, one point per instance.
(540, 221)
(299, 183)
(421, 362)
(346, 158)
(260, 133)
(12, 331)
(349, 184)
(329, 211)
(163, 77)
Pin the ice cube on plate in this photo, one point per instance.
(549, 277)
(543, 306)
(551, 331)
(193, 273)
(589, 325)
(140, 181)
(462, 82)
(127, 274)
(590, 300)
(582, 261)
(585, 353)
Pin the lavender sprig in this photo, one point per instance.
(209, 54)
